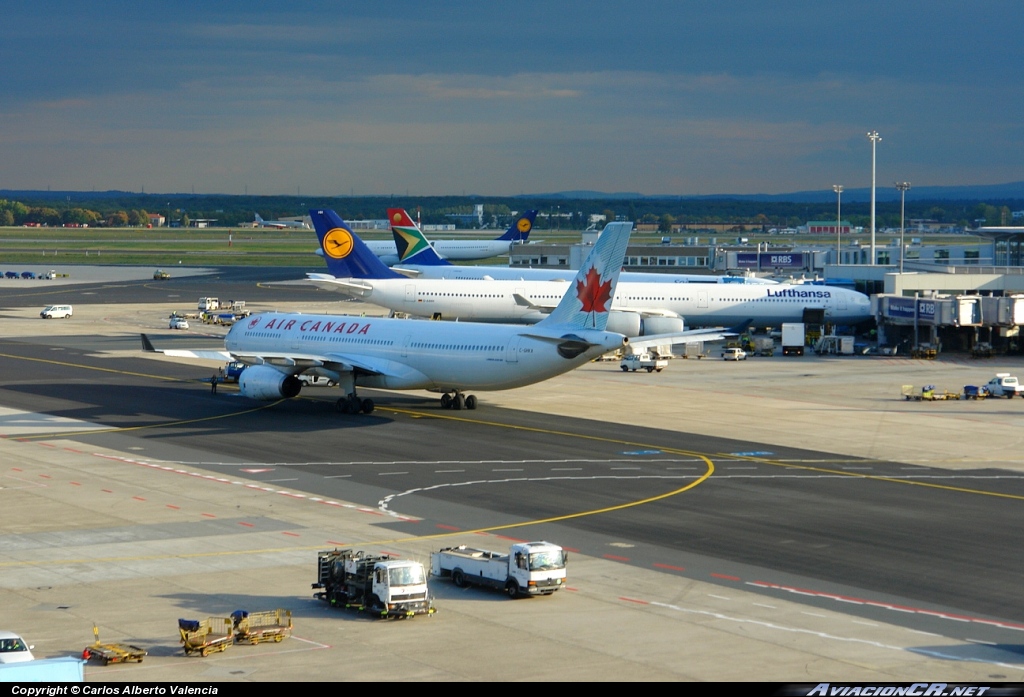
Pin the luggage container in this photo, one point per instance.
(206, 636)
(256, 627)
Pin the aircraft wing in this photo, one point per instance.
(293, 362)
(690, 336)
(205, 354)
(339, 285)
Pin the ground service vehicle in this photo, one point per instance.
(206, 636)
(834, 346)
(160, 275)
(376, 583)
(976, 392)
(643, 361)
(1004, 385)
(529, 568)
(57, 312)
(734, 354)
(107, 653)
(793, 339)
(13, 648)
(177, 323)
(232, 370)
(209, 304)
(256, 627)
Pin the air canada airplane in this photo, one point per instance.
(422, 261)
(639, 309)
(279, 224)
(408, 243)
(408, 354)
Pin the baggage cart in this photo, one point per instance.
(205, 636)
(255, 627)
(111, 653)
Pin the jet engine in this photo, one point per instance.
(634, 324)
(661, 325)
(627, 323)
(265, 383)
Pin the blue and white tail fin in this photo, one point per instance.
(588, 301)
(346, 255)
(519, 231)
(413, 246)
(259, 220)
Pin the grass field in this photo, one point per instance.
(266, 247)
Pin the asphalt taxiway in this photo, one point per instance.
(696, 543)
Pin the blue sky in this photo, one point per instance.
(657, 97)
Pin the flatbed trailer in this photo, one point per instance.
(928, 393)
(112, 652)
(206, 636)
(256, 627)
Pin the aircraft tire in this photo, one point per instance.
(471, 401)
(446, 401)
(367, 406)
(459, 402)
(342, 405)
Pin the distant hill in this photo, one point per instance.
(982, 192)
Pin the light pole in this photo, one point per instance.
(874, 138)
(902, 188)
(838, 188)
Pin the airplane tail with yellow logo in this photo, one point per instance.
(344, 252)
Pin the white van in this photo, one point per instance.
(57, 312)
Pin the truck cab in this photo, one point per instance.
(400, 585)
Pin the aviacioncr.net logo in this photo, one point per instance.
(338, 243)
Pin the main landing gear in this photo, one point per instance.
(457, 400)
(353, 405)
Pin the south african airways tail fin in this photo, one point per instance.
(588, 301)
(413, 246)
(519, 230)
(344, 252)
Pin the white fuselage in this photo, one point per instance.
(512, 273)
(415, 354)
(700, 305)
(453, 250)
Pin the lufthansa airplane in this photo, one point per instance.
(639, 309)
(422, 261)
(279, 224)
(406, 246)
(409, 354)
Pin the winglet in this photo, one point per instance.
(588, 301)
(413, 246)
(147, 345)
(346, 255)
(519, 231)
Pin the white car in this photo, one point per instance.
(315, 380)
(57, 312)
(178, 323)
(13, 648)
(734, 354)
